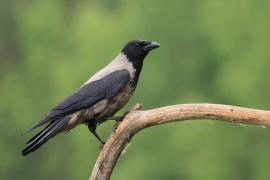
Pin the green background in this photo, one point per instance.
(214, 51)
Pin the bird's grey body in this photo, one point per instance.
(106, 107)
(98, 99)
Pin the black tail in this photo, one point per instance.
(43, 136)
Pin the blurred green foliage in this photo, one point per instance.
(211, 51)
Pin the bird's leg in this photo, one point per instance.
(116, 118)
(117, 122)
(92, 129)
(115, 126)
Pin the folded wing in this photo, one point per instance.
(88, 95)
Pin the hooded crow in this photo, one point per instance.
(98, 99)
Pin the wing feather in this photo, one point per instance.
(88, 95)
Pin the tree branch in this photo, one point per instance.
(138, 120)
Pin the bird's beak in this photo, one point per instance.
(151, 45)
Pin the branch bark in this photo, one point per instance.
(138, 120)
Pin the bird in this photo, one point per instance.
(98, 99)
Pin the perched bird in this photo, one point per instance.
(97, 100)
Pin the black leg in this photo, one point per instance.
(116, 118)
(115, 126)
(117, 122)
(92, 129)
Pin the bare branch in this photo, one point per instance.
(137, 120)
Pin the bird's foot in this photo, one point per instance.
(118, 120)
(114, 118)
(115, 126)
(101, 145)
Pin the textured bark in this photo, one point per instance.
(138, 120)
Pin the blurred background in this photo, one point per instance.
(211, 51)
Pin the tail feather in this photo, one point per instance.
(43, 136)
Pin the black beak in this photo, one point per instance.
(151, 45)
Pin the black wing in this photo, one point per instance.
(88, 95)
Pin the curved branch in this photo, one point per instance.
(137, 120)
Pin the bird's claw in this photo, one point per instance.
(120, 118)
(101, 145)
(115, 126)
(117, 122)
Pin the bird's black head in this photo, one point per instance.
(137, 50)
